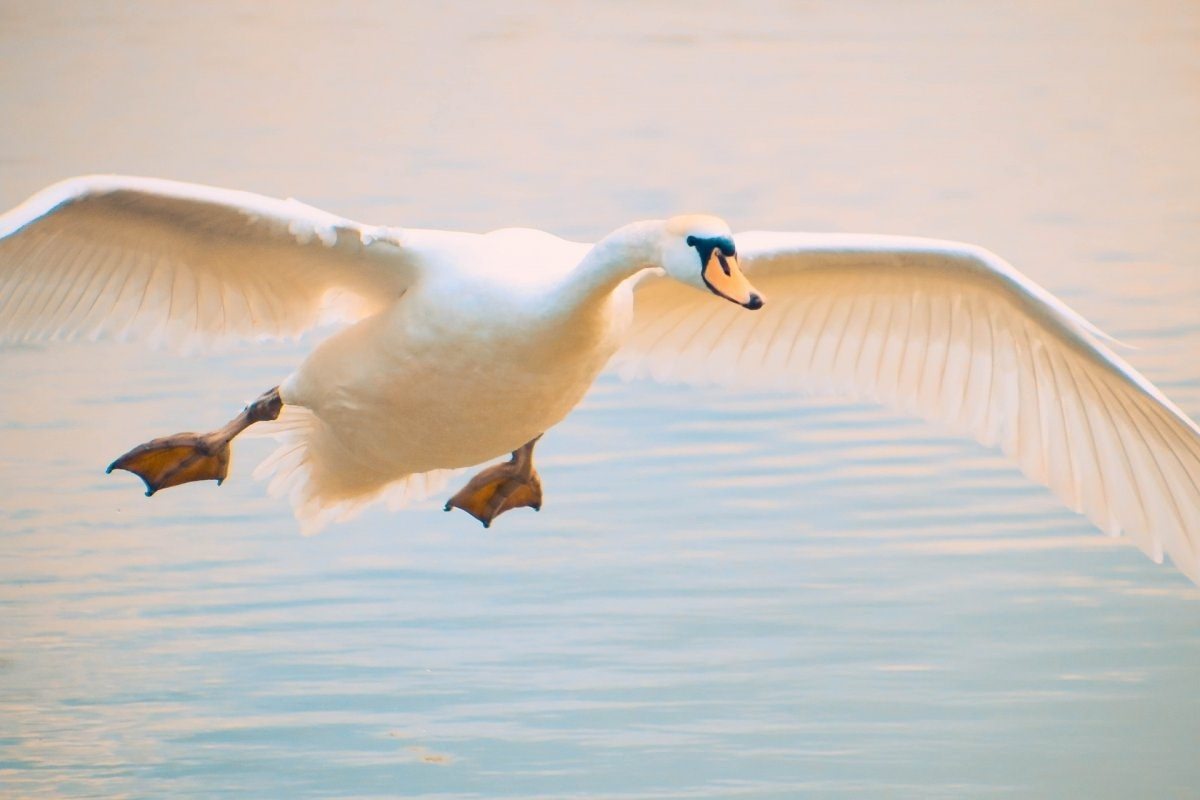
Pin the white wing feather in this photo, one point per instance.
(954, 334)
(114, 256)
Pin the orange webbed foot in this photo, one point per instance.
(172, 460)
(501, 487)
(185, 457)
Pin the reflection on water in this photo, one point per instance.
(725, 596)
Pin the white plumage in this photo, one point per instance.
(953, 334)
(463, 347)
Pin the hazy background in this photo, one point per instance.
(865, 608)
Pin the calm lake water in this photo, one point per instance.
(725, 596)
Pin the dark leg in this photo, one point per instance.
(501, 488)
(186, 457)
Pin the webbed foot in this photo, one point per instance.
(501, 487)
(172, 460)
(185, 457)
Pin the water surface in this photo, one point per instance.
(725, 595)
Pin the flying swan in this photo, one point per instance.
(465, 347)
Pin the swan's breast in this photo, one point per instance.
(450, 377)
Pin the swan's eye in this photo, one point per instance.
(706, 246)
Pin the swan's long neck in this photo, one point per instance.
(615, 258)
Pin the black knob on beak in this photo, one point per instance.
(754, 303)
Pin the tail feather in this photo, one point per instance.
(322, 480)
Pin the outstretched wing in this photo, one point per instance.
(954, 334)
(117, 256)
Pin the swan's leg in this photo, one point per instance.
(186, 457)
(502, 487)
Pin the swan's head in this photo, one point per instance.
(699, 251)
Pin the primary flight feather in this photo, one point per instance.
(462, 347)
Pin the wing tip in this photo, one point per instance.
(61, 193)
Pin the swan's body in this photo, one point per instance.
(442, 378)
(464, 347)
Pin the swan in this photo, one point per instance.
(459, 348)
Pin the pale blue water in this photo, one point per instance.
(725, 596)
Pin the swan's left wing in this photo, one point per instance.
(112, 255)
(954, 334)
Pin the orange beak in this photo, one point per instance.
(724, 277)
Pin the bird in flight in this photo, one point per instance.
(457, 348)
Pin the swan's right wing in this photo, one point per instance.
(115, 256)
(956, 335)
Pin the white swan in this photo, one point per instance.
(465, 347)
